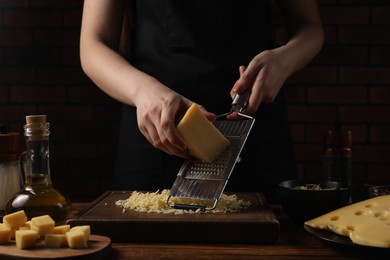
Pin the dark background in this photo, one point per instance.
(348, 81)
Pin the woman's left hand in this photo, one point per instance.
(264, 76)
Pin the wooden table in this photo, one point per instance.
(294, 242)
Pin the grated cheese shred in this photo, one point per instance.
(312, 187)
(155, 202)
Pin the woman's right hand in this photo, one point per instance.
(158, 109)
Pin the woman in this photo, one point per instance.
(203, 51)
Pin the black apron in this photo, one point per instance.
(195, 47)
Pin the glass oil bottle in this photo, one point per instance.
(38, 196)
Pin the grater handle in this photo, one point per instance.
(238, 104)
(240, 100)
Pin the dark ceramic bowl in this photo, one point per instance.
(378, 190)
(305, 204)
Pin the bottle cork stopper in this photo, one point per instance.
(346, 137)
(36, 119)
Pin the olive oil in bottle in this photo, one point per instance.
(38, 196)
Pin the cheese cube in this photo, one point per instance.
(5, 234)
(26, 225)
(16, 219)
(55, 240)
(86, 229)
(42, 224)
(13, 232)
(76, 239)
(62, 229)
(25, 238)
(203, 139)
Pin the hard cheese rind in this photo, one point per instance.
(202, 138)
(366, 222)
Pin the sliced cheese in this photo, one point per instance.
(76, 239)
(5, 234)
(42, 224)
(15, 220)
(25, 238)
(366, 222)
(202, 138)
(56, 240)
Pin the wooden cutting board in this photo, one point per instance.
(256, 224)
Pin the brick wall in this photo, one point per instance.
(347, 82)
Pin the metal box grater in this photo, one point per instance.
(197, 179)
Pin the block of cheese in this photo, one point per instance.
(76, 239)
(5, 234)
(203, 139)
(42, 224)
(13, 232)
(62, 229)
(365, 223)
(26, 225)
(86, 230)
(15, 220)
(25, 238)
(56, 240)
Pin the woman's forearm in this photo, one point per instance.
(100, 57)
(112, 73)
(303, 46)
(304, 27)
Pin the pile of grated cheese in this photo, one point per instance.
(155, 202)
(312, 187)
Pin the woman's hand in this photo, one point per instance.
(264, 76)
(158, 111)
(267, 71)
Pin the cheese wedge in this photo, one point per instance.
(202, 138)
(366, 222)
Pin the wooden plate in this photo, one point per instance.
(99, 247)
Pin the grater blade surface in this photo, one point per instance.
(197, 179)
